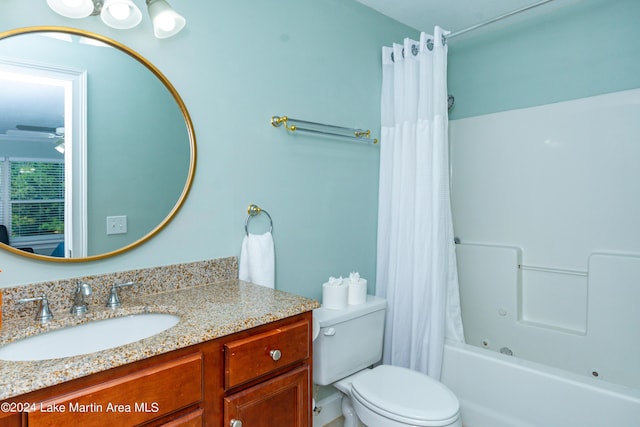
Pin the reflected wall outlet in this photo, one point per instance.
(117, 224)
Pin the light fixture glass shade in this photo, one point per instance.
(72, 8)
(59, 147)
(120, 14)
(166, 21)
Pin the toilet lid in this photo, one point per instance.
(405, 395)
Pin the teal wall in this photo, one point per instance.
(237, 63)
(583, 49)
(140, 164)
(240, 62)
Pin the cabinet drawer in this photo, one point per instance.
(128, 400)
(252, 357)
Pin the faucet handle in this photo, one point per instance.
(114, 299)
(84, 289)
(44, 314)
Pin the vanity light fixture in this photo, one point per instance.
(166, 21)
(76, 9)
(123, 14)
(120, 14)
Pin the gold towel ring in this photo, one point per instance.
(254, 210)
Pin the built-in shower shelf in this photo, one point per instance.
(551, 328)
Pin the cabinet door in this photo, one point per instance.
(280, 402)
(191, 419)
(10, 420)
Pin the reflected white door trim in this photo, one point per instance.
(76, 166)
(74, 82)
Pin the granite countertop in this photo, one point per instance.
(206, 312)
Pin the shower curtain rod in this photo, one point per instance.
(497, 18)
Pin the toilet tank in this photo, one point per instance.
(349, 340)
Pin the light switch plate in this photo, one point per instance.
(117, 224)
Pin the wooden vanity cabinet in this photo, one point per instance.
(260, 376)
(281, 365)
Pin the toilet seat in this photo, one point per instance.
(406, 397)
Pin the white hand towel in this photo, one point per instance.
(257, 260)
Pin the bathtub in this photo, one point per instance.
(497, 390)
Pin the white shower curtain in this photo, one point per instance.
(416, 265)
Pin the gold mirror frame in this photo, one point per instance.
(188, 123)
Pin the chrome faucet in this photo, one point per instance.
(114, 299)
(44, 313)
(79, 306)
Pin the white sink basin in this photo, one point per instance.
(88, 337)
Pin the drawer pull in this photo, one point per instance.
(275, 354)
(235, 423)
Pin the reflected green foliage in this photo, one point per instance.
(37, 198)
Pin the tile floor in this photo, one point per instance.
(338, 422)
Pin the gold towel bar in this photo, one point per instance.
(361, 135)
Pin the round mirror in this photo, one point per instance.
(97, 149)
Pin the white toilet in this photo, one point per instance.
(348, 343)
